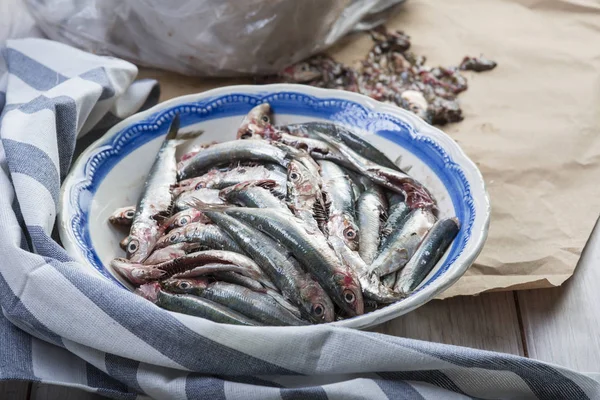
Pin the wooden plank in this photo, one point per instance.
(14, 390)
(562, 325)
(487, 322)
(42, 391)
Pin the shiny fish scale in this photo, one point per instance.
(254, 194)
(371, 207)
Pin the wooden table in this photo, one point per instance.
(559, 325)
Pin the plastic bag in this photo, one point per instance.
(207, 37)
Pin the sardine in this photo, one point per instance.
(232, 151)
(430, 251)
(122, 216)
(372, 207)
(208, 235)
(340, 201)
(312, 250)
(256, 194)
(402, 243)
(196, 306)
(417, 196)
(279, 264)
(218, 179)
(156, 200)
(259, 306)
(305, 196)
(207, 196)
(257, 123)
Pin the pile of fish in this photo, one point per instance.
(287, 225)
(393, 74)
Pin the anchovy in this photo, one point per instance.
(208, 235)
(312, 250)
(350, 139)
(122, 216)
(430, 251)
(337, 187)
(218, 179)
(417, 196)
(259, 306)
(283, 269)
(256, 194)
(257, 123)
(156, 200)
(233, 151)
(198, 307)
(305, 196)
(402, 243)
(139, 273)
(372, 207)
(207, 196)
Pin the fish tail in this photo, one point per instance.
(173, 128)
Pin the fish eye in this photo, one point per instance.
(349, 233)
(349, 296)
(199, 186)
(294, 176)
(184, 285)
(318, 310)
(130, 214)
(265, 119)
(173, 237)
(246, 135)
(183, 221)
(304, 67)
(133, 246)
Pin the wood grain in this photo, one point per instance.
(486, 322)
(561, 325)
(14, 390)
(41, 391)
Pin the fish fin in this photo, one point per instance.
(163, 216)
(173, 128)
(398, 161)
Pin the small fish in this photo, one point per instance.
(305, 196)
(160, 255)
(182, 218)
(430, 251)
(196, 306)
(207, 196)
(259, 306)
(219, 179)
(156, 200)
(337, 187)
(208, 235)
(312, 250)
(283, 269)
(232, 151)
(402, 243)
(257, 194)
(417, 196)
(122, 216)
(372, 206)
(257, 124)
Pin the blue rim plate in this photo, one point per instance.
(436, 152)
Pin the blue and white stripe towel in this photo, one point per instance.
(63, 324)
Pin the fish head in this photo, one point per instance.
(193, 286)
(171, 238)
(184, 218)
(301, 72)
(299, 180)
(349, 292)
(318, 305)
(344, 227)
(257, 124)
(123, 216)
(136, 273)
(149, 291)
(140, 242)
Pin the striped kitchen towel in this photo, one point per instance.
(63, 324)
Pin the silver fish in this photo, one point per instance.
(312, 250)
(254, 194)
(232, 151)
(305, 196)
(340, 200)
(402, 243)
(208, 235)
(259, 306)
(122, 216)
(207, 196)
(283, 269)
(430, 251)
(372, 207)
(156, 200)
(257, 124)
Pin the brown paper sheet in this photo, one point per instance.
(532, 125)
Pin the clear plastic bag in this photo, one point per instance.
(207, 37)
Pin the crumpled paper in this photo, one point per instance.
(532, 125)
